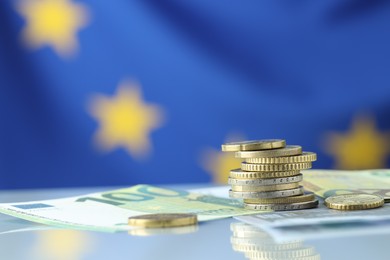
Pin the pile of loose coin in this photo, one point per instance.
(269, 178)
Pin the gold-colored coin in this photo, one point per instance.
(385, 193)
(162, 220)
(281, 207)
(252, 167)
(289, 150)
(354, 201)
(304, 157)
(295, 199)
(266, 194)
(287, 186)
(264, 182)
(253, 145)
(240, 174)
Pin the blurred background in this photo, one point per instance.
(126, 92)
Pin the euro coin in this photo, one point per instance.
(253, 167)
(261, 182)
(163, 220)
(354, 201)
(286, 151)
(278, 187)
(294, 199)
(253, 145)
(265, 194)
(281, 207)
(240, 174)
(304, 157)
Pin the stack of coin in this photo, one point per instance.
(269, 178)
(257, 244)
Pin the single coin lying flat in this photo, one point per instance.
(288, 150)
(162, 220)
(304, 157)
(294, 199)
(253, 145)
(354, 201)
(281, 207)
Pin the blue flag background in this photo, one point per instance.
(127, 92)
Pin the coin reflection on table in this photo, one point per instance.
(257, 244)
(163, 231)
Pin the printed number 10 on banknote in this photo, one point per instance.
(109, 211)
(147, 198)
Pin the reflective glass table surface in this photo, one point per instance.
(219, 239)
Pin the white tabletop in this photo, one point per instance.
(209, 240)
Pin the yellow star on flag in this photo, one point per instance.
(62, 245)
(125, 120)
(219, 163)
(54, 23)
(362, 147)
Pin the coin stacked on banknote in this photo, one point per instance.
(257, 244)
(269, 177)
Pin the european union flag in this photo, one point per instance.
(126, 92)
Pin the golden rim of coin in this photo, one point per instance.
(240, 174)
(162, 220)
(304, 157)
(253, 145)
(354, 201)
(282, 207)
(295, 199)
(289, 150)
(254, 167)
(265, 182)
(278, 187)
(266, 194)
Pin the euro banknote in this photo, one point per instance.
(109, 211)
(326, 183)
(323, 222)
